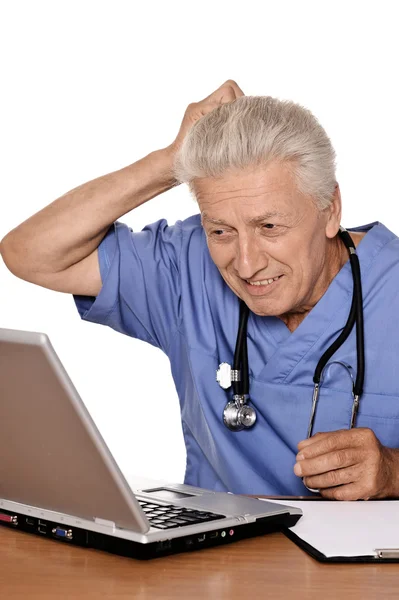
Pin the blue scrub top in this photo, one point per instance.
(160, 285)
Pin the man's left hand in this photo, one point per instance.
(349, 464)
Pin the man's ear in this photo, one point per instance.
(334, 212)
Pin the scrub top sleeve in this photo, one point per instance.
(140, 295)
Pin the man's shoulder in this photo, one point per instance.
(191, 224)
(380, 264)
(184, 227)
(378, 246)
(161, 232)
(386, 246)
(193, 235)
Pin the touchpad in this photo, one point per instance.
(168, 494)
(231, 505)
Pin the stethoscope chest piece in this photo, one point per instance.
(237, 415)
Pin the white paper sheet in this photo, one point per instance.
(347, 528)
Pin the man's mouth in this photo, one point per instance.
(263, 281)
(261, 286)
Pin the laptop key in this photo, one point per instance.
(206, 517)
(190, 519)
(177, 521)
(156, 521)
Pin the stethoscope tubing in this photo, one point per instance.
(240, 363)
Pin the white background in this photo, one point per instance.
(91, 86)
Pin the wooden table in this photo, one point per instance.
(267, 567)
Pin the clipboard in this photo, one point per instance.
(346, 532)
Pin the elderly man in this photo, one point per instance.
(263, 174)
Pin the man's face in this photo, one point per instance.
(269, 242)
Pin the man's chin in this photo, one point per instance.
(262, 311)
(260, 304)
(263, 307)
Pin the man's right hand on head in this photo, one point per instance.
(227, 92)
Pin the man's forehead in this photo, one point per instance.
(255, 182)
(264, 216)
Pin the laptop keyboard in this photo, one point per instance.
(168, 516)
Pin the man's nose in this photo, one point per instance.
(249, 258)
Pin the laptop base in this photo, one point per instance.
(130, 549)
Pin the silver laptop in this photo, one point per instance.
(58, 478)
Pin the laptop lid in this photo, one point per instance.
(52, 455)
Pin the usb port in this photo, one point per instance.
(201, 538)
(42, 527)
(29, 521)
(213, 535)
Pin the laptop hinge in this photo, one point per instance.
(104, 522)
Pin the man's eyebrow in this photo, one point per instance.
(259, 219)
(267, 216)
(204, 217)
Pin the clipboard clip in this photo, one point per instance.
(387, 552)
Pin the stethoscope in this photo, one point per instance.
(238, 415)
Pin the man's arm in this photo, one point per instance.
(57, 247)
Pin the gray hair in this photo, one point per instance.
(254, 130)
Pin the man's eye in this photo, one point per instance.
(269, 225)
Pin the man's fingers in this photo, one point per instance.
(335, 440)
(333, 478)
(236, 88)
(323, 463)
(322, 444)
(351, 491)
(316, 437)
(227, 92)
